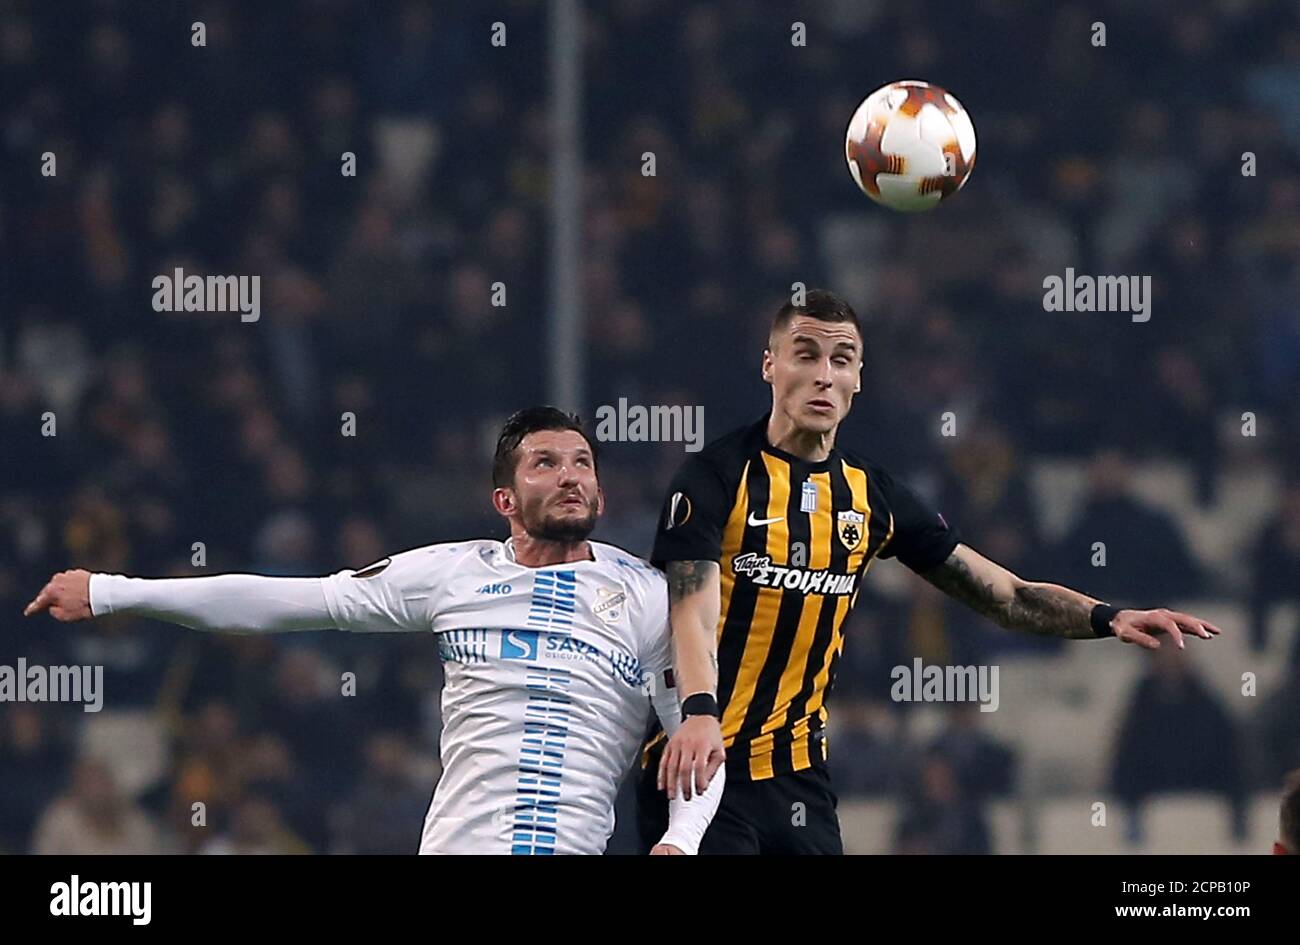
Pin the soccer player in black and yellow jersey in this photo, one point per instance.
(766, 537)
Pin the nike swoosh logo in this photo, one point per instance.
(763, 521)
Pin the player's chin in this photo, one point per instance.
(569, 525)
(820, 420)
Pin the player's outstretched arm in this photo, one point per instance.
(695, 752)
(1050, 609)
(234, 603)
(398, 593)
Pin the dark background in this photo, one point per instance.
(1072, 428)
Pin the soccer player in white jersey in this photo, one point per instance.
(555, 647)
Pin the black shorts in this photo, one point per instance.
(786, 814)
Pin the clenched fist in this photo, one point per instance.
(66, 597)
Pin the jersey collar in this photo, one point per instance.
(508, 548)
(760, 433)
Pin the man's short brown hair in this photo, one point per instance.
(526, 421)
(819, 304)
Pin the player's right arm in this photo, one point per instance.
(688, 547)
(392, 596)
(694, 606)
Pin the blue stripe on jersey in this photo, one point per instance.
(546, 723)
(541, 762)
(555, 595)
(463, 646)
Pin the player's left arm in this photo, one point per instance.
(1051, 609)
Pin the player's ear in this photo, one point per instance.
(504, 501)
(600, 501)
(767, 365)
(857, 388)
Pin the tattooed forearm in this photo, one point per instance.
(1050, 609)
(687, 577)
(694, 608)
(1047, 609)
(956, 579)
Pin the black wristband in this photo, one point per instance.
(702, 703)
(1100, 619)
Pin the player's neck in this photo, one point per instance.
(539, 553)
(809, 445)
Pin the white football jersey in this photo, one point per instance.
(547, 680)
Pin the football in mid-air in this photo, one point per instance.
(910, 146)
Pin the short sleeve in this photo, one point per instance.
(395, 594)
(694, 515)
(922, 538)
(655, 634)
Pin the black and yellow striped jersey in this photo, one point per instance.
(793, 540)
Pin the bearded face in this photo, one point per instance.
(556, 495)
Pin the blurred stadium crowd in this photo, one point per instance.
(1073, 428)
